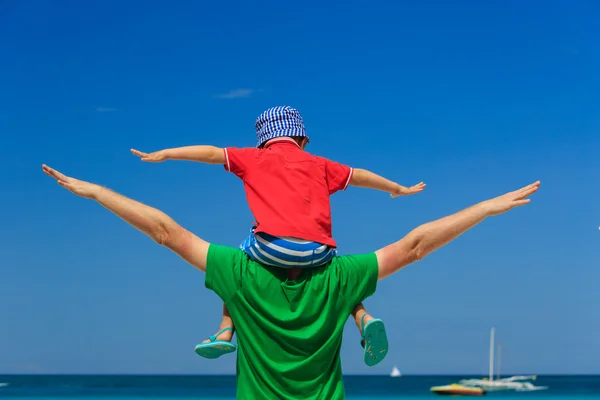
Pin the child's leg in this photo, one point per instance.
(226, 322)
(358, 313)
(219, 343)
(373, 335)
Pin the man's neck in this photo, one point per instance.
(293, 273)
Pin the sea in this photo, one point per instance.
(125, 387)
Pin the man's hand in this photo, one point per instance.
(429, 237)
(152, 222)
(508, 201)
(404, 191)
(157, 156)
(80, 188)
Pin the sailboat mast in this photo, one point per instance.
(499, 359)
(492, 355)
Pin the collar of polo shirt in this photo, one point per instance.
(280, 140)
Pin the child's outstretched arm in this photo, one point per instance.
(205, 154)
(367, 179)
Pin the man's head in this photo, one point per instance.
(280, 121)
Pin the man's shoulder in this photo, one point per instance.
(359, 261)
(341, 266)
(230, 260)
(349, 267)
(219, 251)
(223, 265)
(357, 275)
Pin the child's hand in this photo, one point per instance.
(418, 188)
(404, 191)
(157, 156)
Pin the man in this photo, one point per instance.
(290, 330)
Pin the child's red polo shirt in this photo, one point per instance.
(288, 189)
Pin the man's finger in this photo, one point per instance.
(527, 191)
(530, 191)
(522, 202)
(53, 173)
(532, 185)
(529, 187)
(48, 170)
(139, 153)
(524, 191)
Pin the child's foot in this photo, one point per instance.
(225, 334)
(217, 345)
(373, 339)
(360, 320)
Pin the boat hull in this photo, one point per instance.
(457, 390)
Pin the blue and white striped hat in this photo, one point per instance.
(278, 122)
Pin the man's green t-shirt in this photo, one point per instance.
(289, 333)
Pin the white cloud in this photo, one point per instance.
(236, 94)
(105, 109)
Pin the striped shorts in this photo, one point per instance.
(285, 252)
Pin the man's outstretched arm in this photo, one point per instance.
(431, 236)
(154, 223)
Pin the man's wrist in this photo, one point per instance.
(96, 192)
(483, 208)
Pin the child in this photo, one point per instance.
(288, 191)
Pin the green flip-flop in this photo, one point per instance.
(215, 348)
(374, 340)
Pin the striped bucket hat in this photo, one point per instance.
(278, 122)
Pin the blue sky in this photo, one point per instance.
(472, 98)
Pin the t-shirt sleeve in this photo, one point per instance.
(338, 176)
(223, 270)
(239, 160)
(358, 276)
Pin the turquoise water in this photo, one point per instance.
(126, 387)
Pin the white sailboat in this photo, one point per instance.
(513, 383)
(395, 372)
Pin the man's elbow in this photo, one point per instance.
(163, 234)
(417, 254)
(418, 249)
(394, 257)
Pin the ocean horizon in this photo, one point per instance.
(457, 374)
(212, 386)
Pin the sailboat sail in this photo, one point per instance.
(510, 383)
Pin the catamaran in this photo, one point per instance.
(518, 383)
